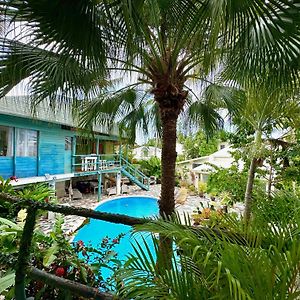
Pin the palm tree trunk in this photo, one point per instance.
(168, 160)
(167, 201)
(251, 175)
(270, 173)
(249, 189)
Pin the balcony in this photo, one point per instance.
(93, 164)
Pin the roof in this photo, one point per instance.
(204, 167)
(222, 153)
(225, 152)
(20, 106)
(147, 147)
(192, 160)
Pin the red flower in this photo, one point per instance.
(80, 243)
(46, 199)
(115, 241)
(60, 271)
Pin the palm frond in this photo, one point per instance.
(133, 110)
(207, 264)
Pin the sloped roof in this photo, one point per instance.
(20, 106)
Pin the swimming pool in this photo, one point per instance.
(135, 206)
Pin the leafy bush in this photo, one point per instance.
(229, 180)
(202, 187)
(151, 167)
(282, 208)
(54, 254)
(51, 252)
(35, 192)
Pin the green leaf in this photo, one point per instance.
(7, 281)
(11, 224)
(50, 255)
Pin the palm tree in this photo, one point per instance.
(264, 110)
(68, 48)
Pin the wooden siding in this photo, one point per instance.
(51, 149)
(6, 166)
(52, 157)
(26, 167)
(51, 152)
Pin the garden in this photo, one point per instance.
(176, 70)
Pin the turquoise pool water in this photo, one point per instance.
(96, 230)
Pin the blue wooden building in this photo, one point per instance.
(49, 147)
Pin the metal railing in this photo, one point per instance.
(135, 173)
(94, 162)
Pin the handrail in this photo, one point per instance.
(116, 160)
(132, 167)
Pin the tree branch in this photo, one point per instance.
(66, 284)
(78, 211)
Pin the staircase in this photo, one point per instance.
(134, 175)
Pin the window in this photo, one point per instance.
(68, 143)
(6, 141)
(26, 142)
(222, 146)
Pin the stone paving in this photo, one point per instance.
(90, 201)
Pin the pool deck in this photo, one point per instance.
(90, 201)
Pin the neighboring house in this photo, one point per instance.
(198, 169)
(179, 149)
(220, 159)
(146, 152)
(49, 147)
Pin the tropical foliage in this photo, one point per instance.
(198, 144)
(173, 57)
(260, 261)
(231, 180)
(55, 254)
(151, 167)
(166, 47)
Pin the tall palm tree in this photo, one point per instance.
(68, 48)
(264, 110)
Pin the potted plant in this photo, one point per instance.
(226, 200)
(202, 188)
(213, 195)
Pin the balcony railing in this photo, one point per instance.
(104, 163)
(94, 162)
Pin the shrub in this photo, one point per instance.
(151, 167)
(229, 180)
(202, 187)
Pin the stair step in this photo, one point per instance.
(134, 179)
